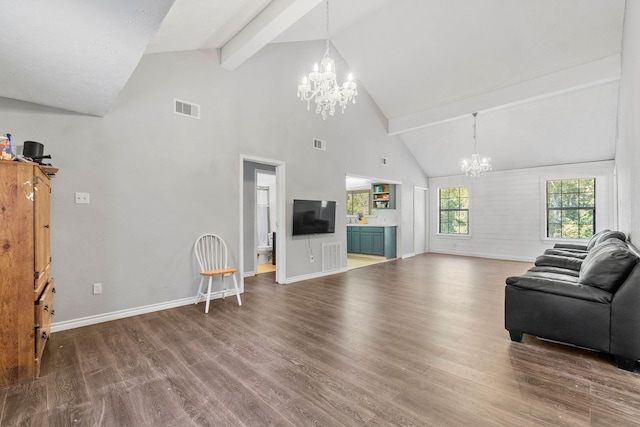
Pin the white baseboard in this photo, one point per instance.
(485, 255)
(314, 275)
(121, 314)
(412, 254)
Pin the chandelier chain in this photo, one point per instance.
(327, 21)
(475, 124)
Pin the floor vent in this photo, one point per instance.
(186, 109)
(331, 256)
(319, 144)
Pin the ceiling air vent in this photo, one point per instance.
(186, 109)
(384, 161)
(319, 144)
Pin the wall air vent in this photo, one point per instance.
(188, 109)
(319, 144)
(331, 256)
(384, 161)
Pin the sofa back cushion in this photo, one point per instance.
(607, 265)
(603, 235)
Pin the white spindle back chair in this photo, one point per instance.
(211, 253)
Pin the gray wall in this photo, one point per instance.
(158, 180)
(628, 146)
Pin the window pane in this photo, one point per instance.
(553, 187)
(554, 201)
(555, 217)
(554, 230)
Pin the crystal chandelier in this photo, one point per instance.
(475, 166)
(322, 85)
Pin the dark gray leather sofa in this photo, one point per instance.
(588, 296)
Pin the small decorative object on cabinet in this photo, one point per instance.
(384, 196)
(26, 286)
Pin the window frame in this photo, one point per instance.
(548, 209)
(468, 210)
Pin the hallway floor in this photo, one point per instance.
(359, 260)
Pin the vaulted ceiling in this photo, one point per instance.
(543, 74)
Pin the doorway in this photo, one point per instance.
(361, 212)
(262, 208)
(265, 221)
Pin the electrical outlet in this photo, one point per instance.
(97, 288)
(82, 197)
(311, 258)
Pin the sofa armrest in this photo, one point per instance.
(559, 287)
(625, 318)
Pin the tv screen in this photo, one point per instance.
(314, 217)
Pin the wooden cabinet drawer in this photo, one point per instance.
(43, 315)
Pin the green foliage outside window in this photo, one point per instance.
(359, 202)
(454, 210)
(571, 208)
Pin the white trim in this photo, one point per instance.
(412, 254)
(315, 275)
(486, 255)
(121, 314)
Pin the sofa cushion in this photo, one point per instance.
(607, 265)
(560, 287)
(604, 235)
(567, 253)
(551, 260)
(567, 275)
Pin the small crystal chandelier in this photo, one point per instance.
(475, 166)
(322, 85)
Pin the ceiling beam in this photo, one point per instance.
(590, 74)
(269, 24)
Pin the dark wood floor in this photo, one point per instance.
(417, 342)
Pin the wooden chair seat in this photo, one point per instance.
(219, 271)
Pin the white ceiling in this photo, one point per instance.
(428, 64)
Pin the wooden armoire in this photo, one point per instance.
(26, 286)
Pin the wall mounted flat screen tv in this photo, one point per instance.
(314, 217)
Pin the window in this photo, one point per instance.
(571, 208)
(454, 210)
(359, 202)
